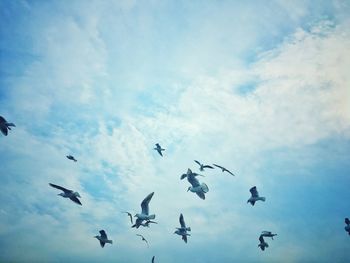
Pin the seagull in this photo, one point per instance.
(130, 215)
(146, 224)
(68, 193)
(103, 238)
(153, 259)
(223, 169)
(5, 126)
(182, 231)
(159, 149)
(199, 189)
(202, 166)
(145, 211)
(262, 244)
(268, 234)
(255, 196)
(143, 238)
(347, 227)
(70, 157)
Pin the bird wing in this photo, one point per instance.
(2, 120)
(208, 166)
(218, 166)
(103, 234)
(102, 243)
(183, 176)
(145, 202)
(261, 239)
(184, 238)
(130, 218)
(4, 130)
(60, 188)
(229, 172)
(201, 195)
(75, 200)
(198, 162)
(347, 221)
(153, 259)
(192, 180)
(182, 221)
(266, 232)
(254, 192)
(160, 152)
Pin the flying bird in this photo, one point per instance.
(347, 227)
(255, 196)
(144, 211)
(143, 239)
(262, 244)
(146, 224)
(103, 238)
(67, 193)
(268, 234)
(71, 157)
(153, 259)
(159, 149)
(199, 189)
(130, 215)
(202, 166)
(182, 231)
(5, 126)
(223, 169)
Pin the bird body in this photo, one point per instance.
(68, 193)
(255, 196)
(144, 215)
(159, 149)
(5, 126)
(199, 189)
(103, 238)
(182, 231)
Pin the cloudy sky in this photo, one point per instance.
(260, 87)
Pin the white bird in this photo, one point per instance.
(103, 238)
(159, 149)
(223, 169)
(268, 234)
(71, 157)
(5, 126)
(68, 193)
(255, 196)
(182, 231)
(199, 189)
(202, 166)
(347, 227)
(145, 211)
(262, 244)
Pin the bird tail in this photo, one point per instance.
(205, 188)
(263, 199)
(10, 124)
(188, 228)
(152, 216)
(109, 241)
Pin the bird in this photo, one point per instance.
(347, 227)
(103, 238)
(268, 234)
(68, 193)
(5, 126)
(130, 215)
(202, 166)
(146, 224)
(143, 239)
(144, 212)
(159, 149)
(223, 169)
(71, 157)
(199, 189)
(182, 231)
(153, 259)
(262, 244)
(255, 196)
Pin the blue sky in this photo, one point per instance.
(261, 88)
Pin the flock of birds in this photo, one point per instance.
(144, 218)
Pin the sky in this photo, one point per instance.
(260, 87)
